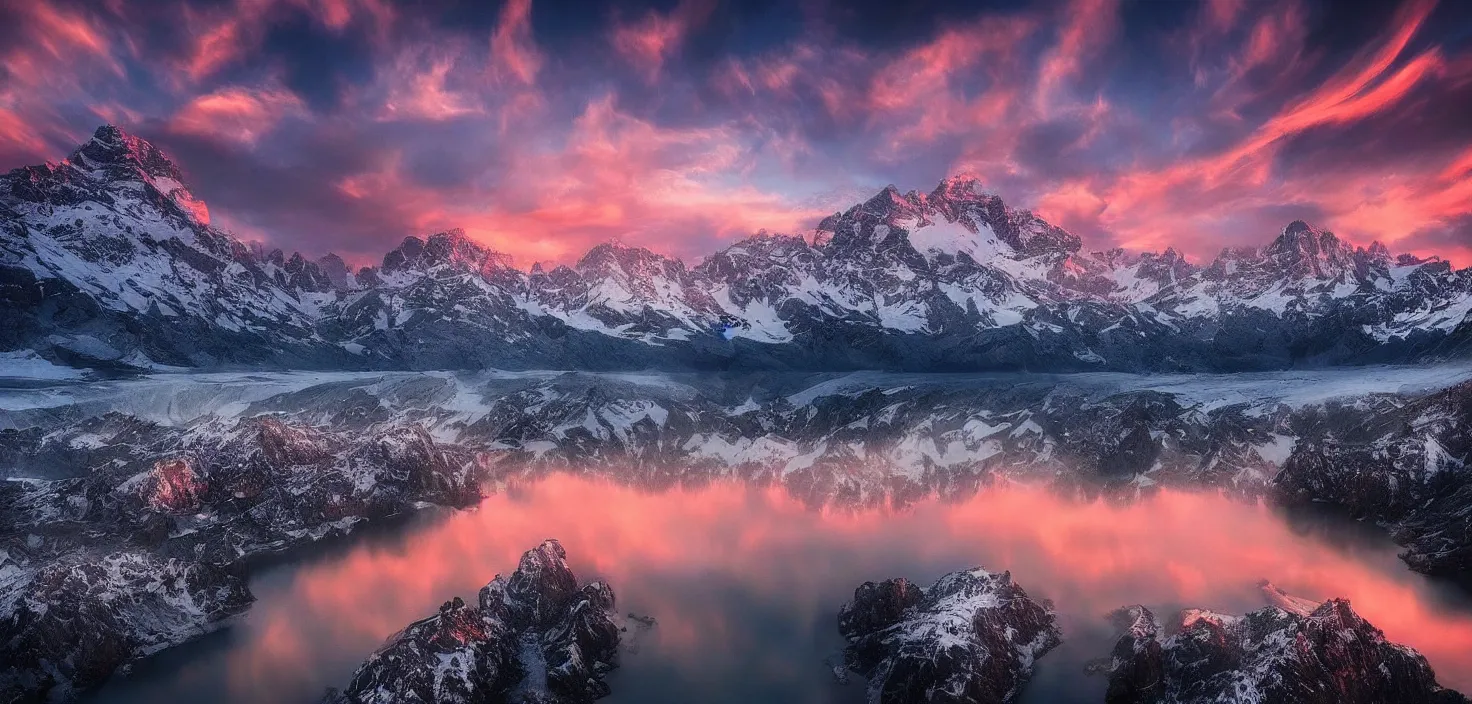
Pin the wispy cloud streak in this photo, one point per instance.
(544, 127)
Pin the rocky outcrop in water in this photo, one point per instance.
(971, 637)
(1295, 651)
(69, 624)
(536, 637)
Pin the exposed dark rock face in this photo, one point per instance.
(971, 637)
(535, 638)
(1403, 465)
(1295, 651)
(1137, 664)
(69, 624)
(1438, 537)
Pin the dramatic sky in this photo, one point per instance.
(545, 126)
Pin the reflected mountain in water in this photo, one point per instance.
(745, 584)
(1095, 490)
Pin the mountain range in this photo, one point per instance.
(108, 260)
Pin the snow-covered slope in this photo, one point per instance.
(107, 259)
(1295, 650)
(973, 636)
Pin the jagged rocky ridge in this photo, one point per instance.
(69, 623)
(533, 638)
(107, 259)
(1404, 466)
(970, 637)
(1293, 651)
(147, 548)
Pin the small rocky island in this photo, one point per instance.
(971, 637)
(536, 638)
(1294, 650)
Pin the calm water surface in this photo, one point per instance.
(746, 582)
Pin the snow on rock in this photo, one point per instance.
(171, 486)
(1400, 463)
(222, 467)
(138, 542)
(26, 364)
(69, 624)
(973, 636)
(1293, 651)
(950, 279)
(535, 637)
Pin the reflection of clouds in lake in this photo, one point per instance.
(745, 582)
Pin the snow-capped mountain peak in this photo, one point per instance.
(1305, 251)
(124, 154)
(952, 278)
(451, 249)
(115, 157)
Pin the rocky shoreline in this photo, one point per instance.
(70, 623)
(142, 554)
(1389, 455)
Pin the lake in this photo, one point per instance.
(745, 583)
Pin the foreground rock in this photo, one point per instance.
(971, 637)
(536, 637)
(1292, 651)
(70, 624)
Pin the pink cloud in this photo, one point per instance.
(613, 176)
(1088, 26)
(514, 54)
(56, 50)
(1008, 96)
(1195, 199)
(17, 135)
(58, 32)
(418, 87)
(235, 113)
(648, 42)
(231, 33)
(217, 42)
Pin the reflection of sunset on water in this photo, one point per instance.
(685, 554)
